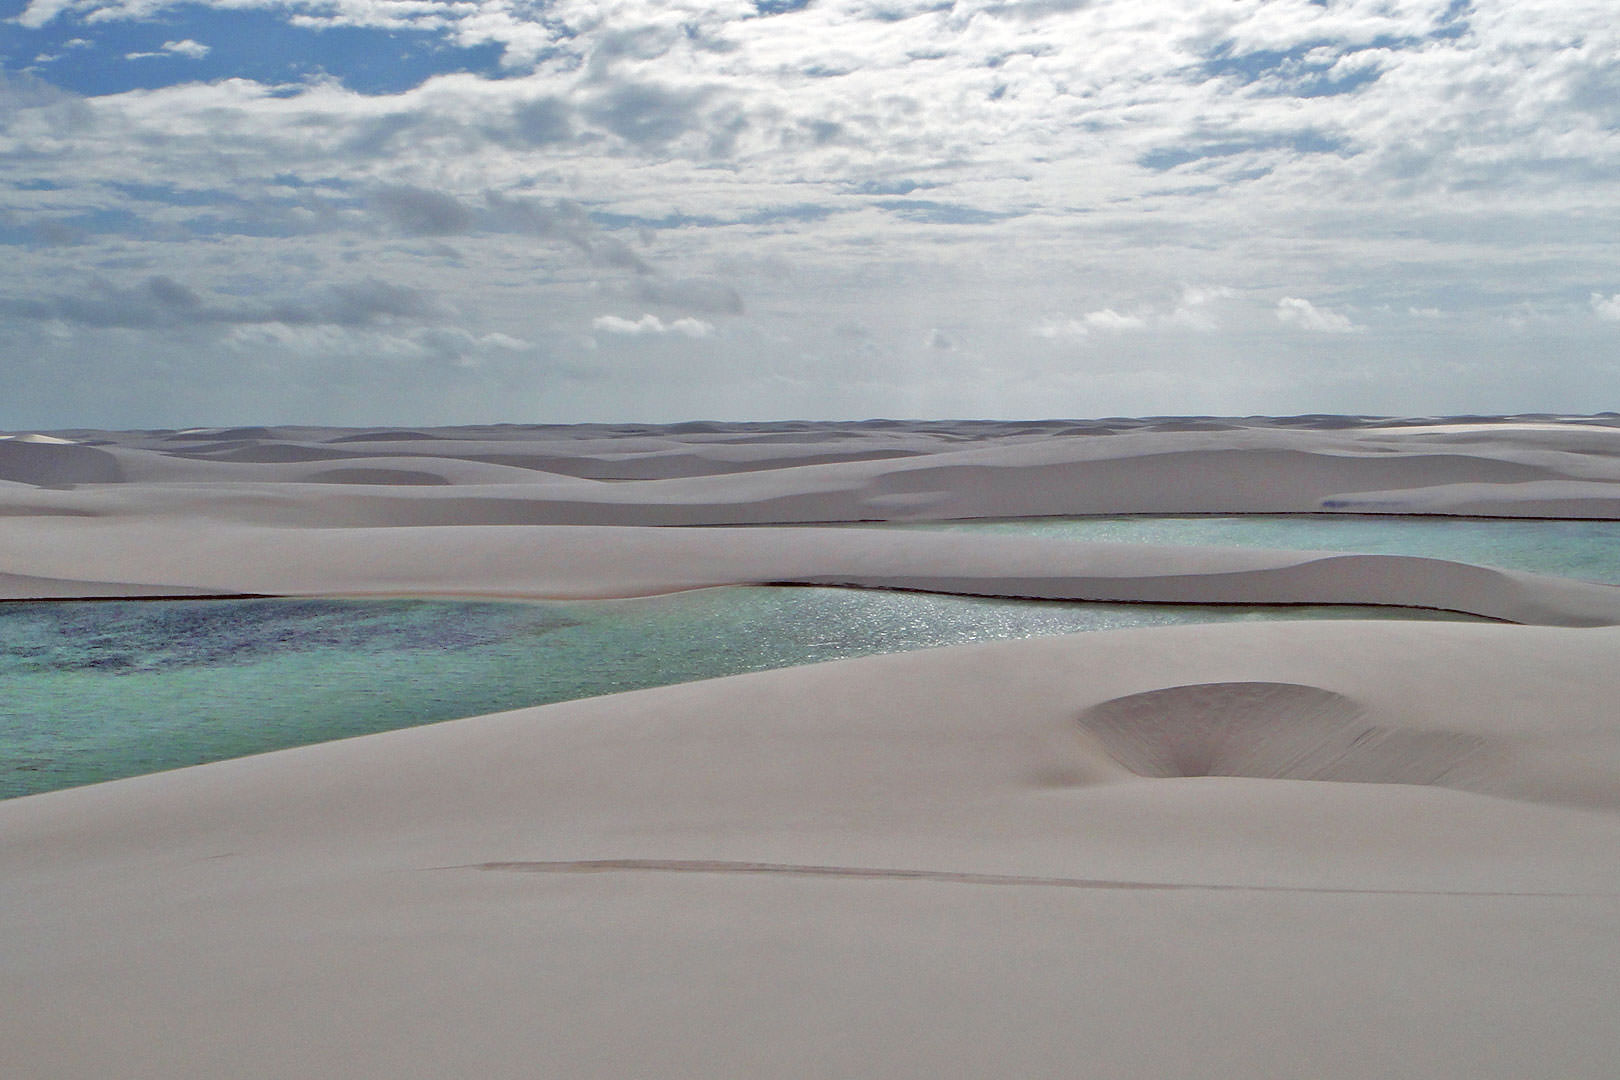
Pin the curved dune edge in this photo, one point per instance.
(356, 886)
(24, 587)
(1275, 731)
(586, 562)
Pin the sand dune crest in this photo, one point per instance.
(56, 463)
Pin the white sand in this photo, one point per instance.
(997, 860)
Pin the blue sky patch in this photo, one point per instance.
(1294, 74)
(1454, 22)
(1305, 142)
(95, 58)
(926, 212)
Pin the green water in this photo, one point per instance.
(96, 691)
(1589, 550)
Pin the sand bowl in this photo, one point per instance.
(1269, 730)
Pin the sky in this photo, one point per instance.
(407, 212)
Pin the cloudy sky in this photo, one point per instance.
(445, 211)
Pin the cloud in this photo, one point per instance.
(564, 220)
(40, 12)
(1299, 312)
(420, 212)
(646, 113)
(542, 121)
(160, 302)
(453, 345)
(1109, 319)
(442, 345)
(1104, 320)
(652, 325)
(1194, 310)
(1606, 308)
(417, 211)
(194, 50)
(1055, 329)
(156, 302)
(358, 303)
(191, 50)
(1017, 171)
(693, 294)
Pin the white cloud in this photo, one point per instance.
(694, 328)
(191, 50)
(980, 169)
(196, 50)
(1299, 312)
(498, 340)
(1109, 319)
(40, 12)
(652, 324)
(1191, 311)
(442, 344)
(1200, 295)
(1606, 308)
(1056, 329)
(1194, 311)
(1106, 320)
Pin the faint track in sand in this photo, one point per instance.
(723, 866)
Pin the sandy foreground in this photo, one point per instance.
(1335, 849)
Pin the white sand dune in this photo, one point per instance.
(951, 863)
(56, 463)
(526, 511)
(878, 471)
(1332, 849)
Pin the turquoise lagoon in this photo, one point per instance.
(93, 691)
(1589, 550)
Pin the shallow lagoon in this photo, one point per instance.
(99, 690)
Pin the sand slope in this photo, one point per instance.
(937, 864)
